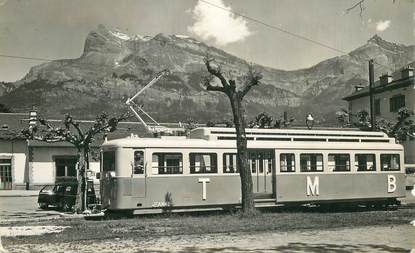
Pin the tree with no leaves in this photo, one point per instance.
(360, 4)
(81, 139)
(236, 96)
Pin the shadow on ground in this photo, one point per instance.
(305, 247)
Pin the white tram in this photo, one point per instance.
(289, 166)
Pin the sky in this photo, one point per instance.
(56, 29)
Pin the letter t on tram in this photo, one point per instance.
(204, 181)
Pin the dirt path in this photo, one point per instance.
(363, 239)
(275, 230)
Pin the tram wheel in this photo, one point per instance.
(118, 214)
(43, 206)
(230, 209)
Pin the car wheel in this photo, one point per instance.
(66, 207)
(43, 206)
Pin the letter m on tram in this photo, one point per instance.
(312, 186)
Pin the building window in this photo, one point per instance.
(6, 180)
(108, 161)
(396, 102)
(389, 162)
(311, 162)
(377, 107)
(203, 163)
(287, 162)
(138, 162)
(229, 163)
(65, 166)
(339, 162)
(167, 163)
(365, 162)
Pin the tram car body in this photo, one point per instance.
(289, 166)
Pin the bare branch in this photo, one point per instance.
(209, 87)
(359, 5)
(70, 122)
(103, 124)
(44, 139)
(215, 71)
(251, 79)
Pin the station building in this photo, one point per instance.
(390, 93)
(31, 164)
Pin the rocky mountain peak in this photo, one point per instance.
(378, 41)
(115, 63)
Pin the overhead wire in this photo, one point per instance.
(281, 30)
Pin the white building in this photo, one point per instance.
(28, 164)
(391, 92)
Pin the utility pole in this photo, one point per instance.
(371, 93)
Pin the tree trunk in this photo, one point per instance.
(83, 164)
(248, 205)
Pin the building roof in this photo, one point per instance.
(396, 84)
(379, 88)
(11, 124)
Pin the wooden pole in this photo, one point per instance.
(371, 93)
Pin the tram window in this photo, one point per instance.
(287, 162)
(203, 163)
(311, 162)
(229, 163)
(365, 162)
(339, 162)
(252, 158)
(389, 162)
(167, 163)
(108, 161)
(138, 162)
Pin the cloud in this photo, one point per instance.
(382, 25)
(215, 23)
(3, 2)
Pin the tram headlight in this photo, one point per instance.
(112, 174)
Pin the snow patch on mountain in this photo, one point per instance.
(182, 36)
(120, 35)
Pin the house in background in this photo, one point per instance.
(390, 93)
(13, 151)
(30, 164)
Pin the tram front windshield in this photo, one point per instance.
(108, 161)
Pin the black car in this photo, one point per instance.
(63, 195)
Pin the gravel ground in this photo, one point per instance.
(272, 231)
(368, 239)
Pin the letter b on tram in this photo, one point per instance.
(391, 183)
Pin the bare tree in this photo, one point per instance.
(236, 96)
(359, 5)
(81, 139)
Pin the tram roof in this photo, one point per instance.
(289, 138)
(208, 132)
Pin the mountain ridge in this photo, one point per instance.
(114, 65)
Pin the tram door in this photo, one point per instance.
(138, 178)
(261, 163)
